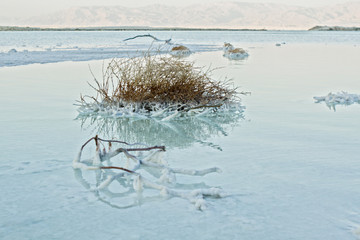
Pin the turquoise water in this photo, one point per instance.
(290, 166)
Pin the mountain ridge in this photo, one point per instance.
(230, 15)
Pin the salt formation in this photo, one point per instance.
(140, 169)
(160, 111)
(234, 53)
(180, 51)
(340, 98)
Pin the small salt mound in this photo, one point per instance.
(236, 54)
(340, 98)
(180, 51)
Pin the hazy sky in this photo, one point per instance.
(26, 8)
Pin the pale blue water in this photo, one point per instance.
(21, 48)
(290, 166)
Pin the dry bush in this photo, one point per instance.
(152, 83)
(160, 79)
(180, 48)
(237, 50)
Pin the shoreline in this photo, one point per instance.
(146, 28)
(334, 28)
(89, 29)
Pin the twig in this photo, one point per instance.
(148, 35)
(130, 144)
(120, 168)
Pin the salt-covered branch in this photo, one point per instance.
(135, 175)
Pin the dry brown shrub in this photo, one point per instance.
(161, 79)
(237, 50)
(180, 48)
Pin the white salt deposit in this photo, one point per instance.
(340, 98)
(164, 112)
(236, 55)
(233, 53)
(58, 52)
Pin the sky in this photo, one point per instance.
(28, 8)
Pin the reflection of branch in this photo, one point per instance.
(135, 179)
(78, 175)
(148, 35)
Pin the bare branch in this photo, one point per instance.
(136, 180)
(148, 35)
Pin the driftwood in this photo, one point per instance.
(149, 35)
(137, 170)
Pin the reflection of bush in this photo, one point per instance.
(182, 132)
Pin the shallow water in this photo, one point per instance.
(290, 166)
(22, 48)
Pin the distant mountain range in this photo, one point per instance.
(217, 15)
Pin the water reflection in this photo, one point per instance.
(181, 133)
(121, 194)
(125, 192)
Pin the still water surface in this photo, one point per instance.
(290, 166)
